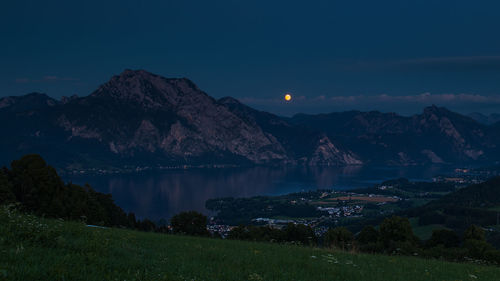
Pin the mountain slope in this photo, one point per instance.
(138, 118)
(141, 119)
(305, 145)
(138, 112)
(435, 136)
(485, 119)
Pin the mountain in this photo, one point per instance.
(33, 101)
(305, 145)
(435, 136)
(485, 119)
(141, 119)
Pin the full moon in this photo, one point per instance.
(288, 97)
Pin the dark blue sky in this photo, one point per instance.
(331, 55)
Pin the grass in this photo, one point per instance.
(496, 208)
(424, 232)
(39, 249)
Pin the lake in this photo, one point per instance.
(161, 194)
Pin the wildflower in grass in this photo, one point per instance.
(330, 258)
(255, 277)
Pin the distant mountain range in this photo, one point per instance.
(485, 119)
(141, 119)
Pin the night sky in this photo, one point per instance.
(331, 55)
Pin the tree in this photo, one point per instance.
(37, 185)
(131, 220)
(190, 223)
(475, 242)
(299, 233)
(397, 236)
(6, 194)
(447, 238)
(369, 240)
(477, 248)
(339, 237)
(146, 225)
(474, 232)
(368, 235)
(238, 233)
(40, 190)
(396, 229)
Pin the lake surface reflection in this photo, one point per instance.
(161, 194)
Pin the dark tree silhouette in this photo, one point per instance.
(444, 237)
(6, 193)
(339, 237)
(190, 223)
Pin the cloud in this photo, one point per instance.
(423, 98)
(22, 80)
(430, 64)
(404, 104)
(468, 63)
(454, 60)
(49, 78)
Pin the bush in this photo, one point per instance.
(368, 240)
(6, 193)
(474, 232)
(396, 229)
(257, 233)
(492, 255)
(299, 233)
(440, 252)
(339, 237)
(17, 227)
(397, 236)
(190, 223)
(444, 237)
(145, 225)
(477, 248)
(368, 235)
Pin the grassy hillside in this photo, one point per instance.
(40, 249)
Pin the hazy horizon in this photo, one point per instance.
(403, 105)
(331, 55)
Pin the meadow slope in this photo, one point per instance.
(41, 249)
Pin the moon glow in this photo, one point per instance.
(288, 97)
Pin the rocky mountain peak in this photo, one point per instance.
(27, 102)
(435, 110)
(229, 101)
(65, 99)
(146, 119)
(146, 89)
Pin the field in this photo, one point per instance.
(39, 249)
(424, 232)
(356, 198)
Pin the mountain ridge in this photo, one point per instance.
(142, 119)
